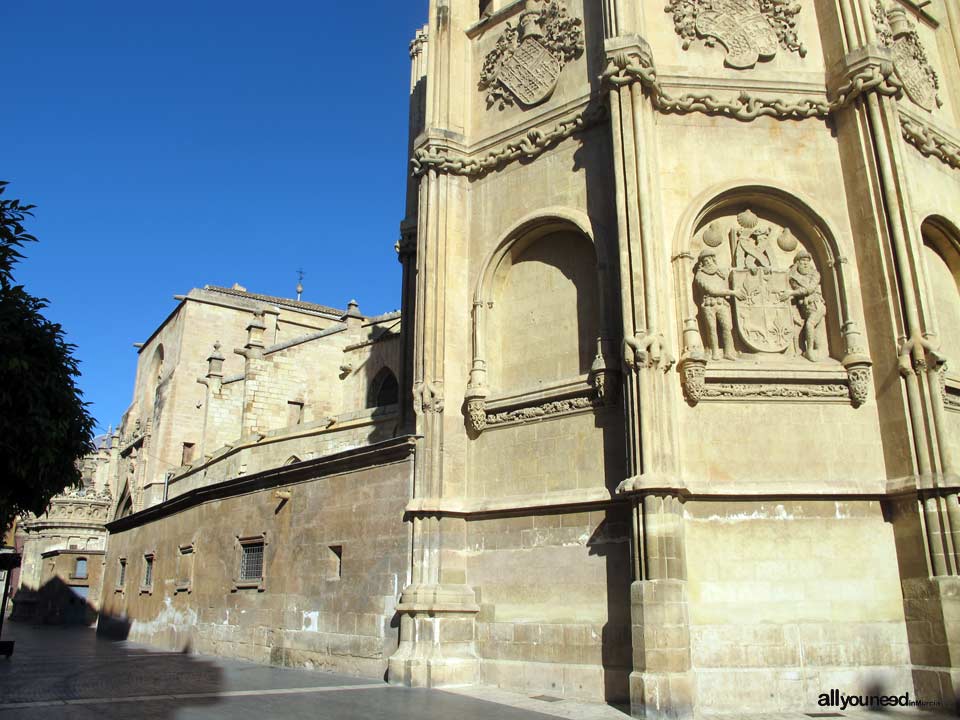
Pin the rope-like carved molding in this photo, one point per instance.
(929, 142)
(768, 391)
(533, 144)
(625, 68)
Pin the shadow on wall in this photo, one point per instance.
(55, 603)
(611, 541)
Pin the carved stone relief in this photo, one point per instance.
(749, 30)
(757, 325)
(526, 63)
(896, 32)
(770, 298)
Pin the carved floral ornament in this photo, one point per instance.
(749, 30)
(761, 306)
(526, 62)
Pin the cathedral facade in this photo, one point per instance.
(673, 413)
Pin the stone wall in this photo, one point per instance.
(335, 558)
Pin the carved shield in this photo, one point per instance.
(764, 322)
(913, 73)
(531, 72)
(742, 29)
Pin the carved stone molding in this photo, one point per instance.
(929, 142)
(526, 62)
(749, 30)
(533, 412)
(563, 398)
(533, 144)
(770, 391)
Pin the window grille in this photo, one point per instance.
(123, 573)
(148, 571)
(251, 561)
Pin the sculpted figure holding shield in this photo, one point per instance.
(713, 282)
(804, 281)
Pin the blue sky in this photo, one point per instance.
(171, 145)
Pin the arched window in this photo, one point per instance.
(292, 460)
(384, 390)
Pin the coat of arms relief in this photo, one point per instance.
(910, 62)
(749, 30)
(758, 292)
(526, 63)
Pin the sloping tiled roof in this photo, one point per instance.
(286, 302)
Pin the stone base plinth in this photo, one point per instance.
(661, 685)
(437, 638)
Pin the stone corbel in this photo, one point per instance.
(603, 378)
(647, 350)
(693, 362)
(476, 407)
(857, 364)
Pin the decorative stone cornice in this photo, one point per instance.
(929, 142)
(635, 64)
(533, 144)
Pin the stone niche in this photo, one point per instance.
(941, 254)
(764, 304)
(538, 319)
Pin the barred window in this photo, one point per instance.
(122, 576)
(147, 570)
(251, 561)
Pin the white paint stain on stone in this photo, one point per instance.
(311, 621)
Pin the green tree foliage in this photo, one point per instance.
(44, 424)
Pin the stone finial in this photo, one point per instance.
(255, 331)
(353, 316)
(215, 361)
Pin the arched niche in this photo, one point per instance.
(763, 297)
(124, 504)
(538, 315)
(941, 255)
(383, 389)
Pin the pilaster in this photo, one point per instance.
(904, 343)
(437, 609)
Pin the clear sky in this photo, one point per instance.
(190, 142)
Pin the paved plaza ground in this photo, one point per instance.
(70, 673)
(67, 672)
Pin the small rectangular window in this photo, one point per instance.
(185, 568)
(251, 561)
(186, 457)
(147, 573)
(122, 573)
(335, 562)
(80, 569)
(294, 413)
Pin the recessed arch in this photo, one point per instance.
(124, 504)
(545, 261)
(941, 257)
